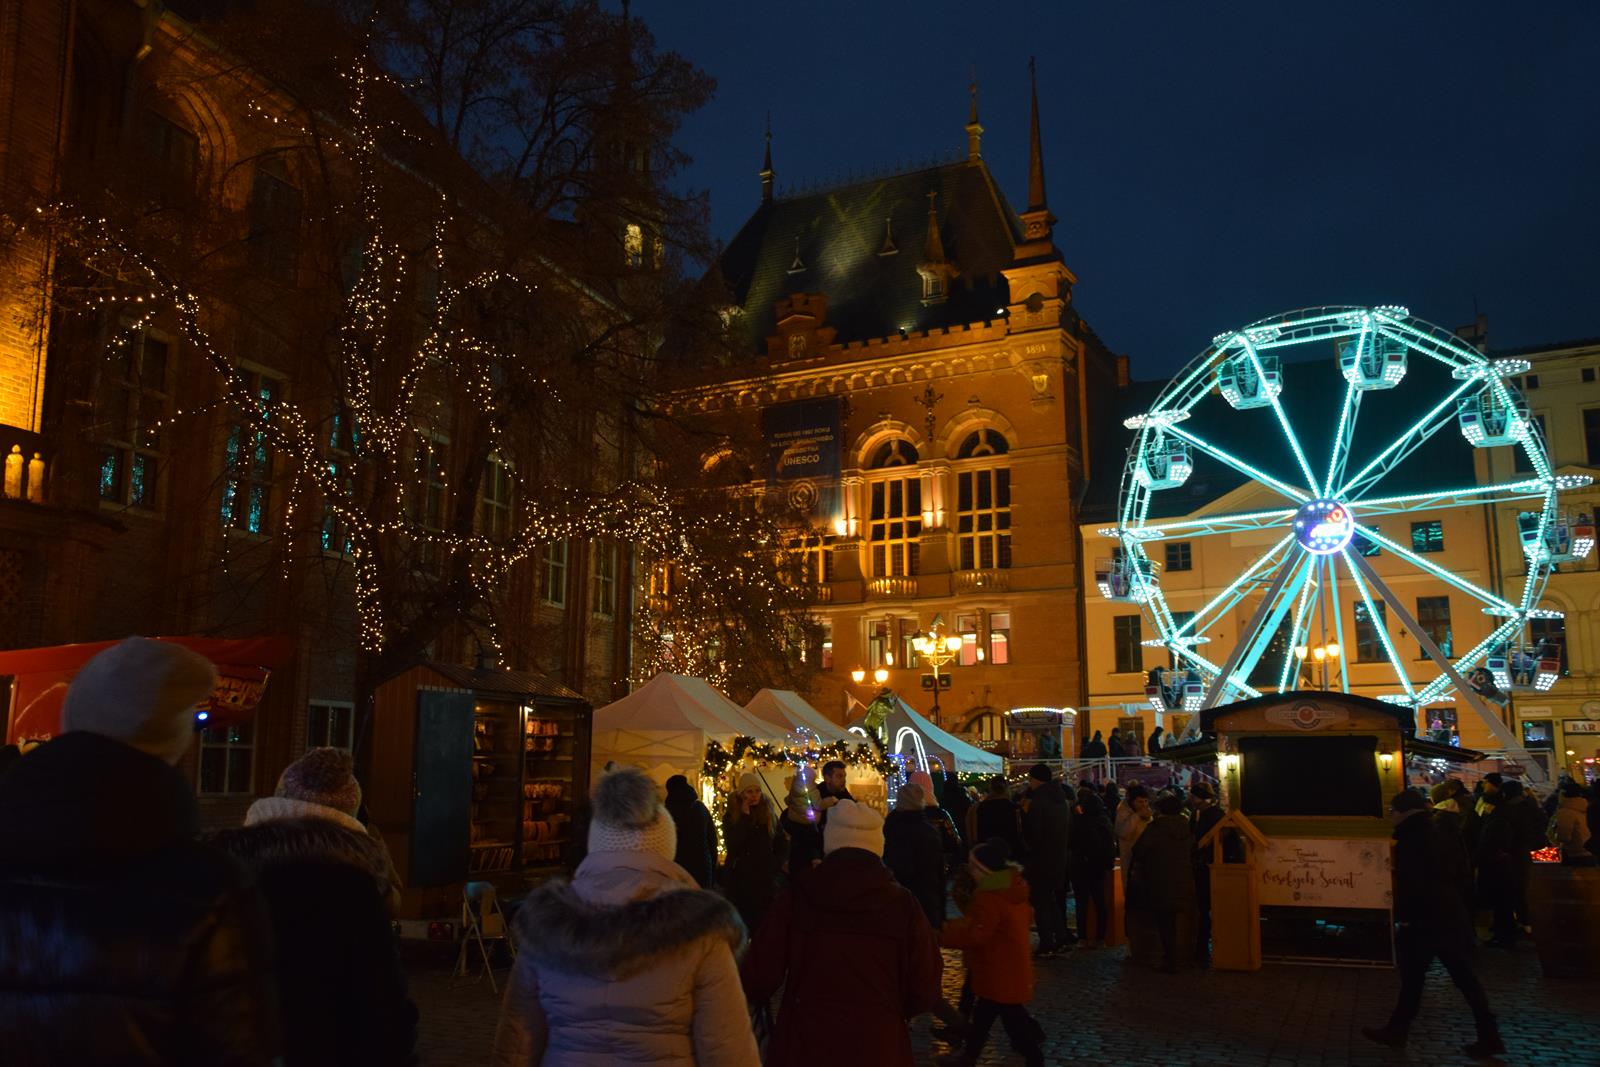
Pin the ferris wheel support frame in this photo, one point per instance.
(1224, 678)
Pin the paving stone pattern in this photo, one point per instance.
(1098, 1008)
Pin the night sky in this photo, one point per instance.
(1210, 163)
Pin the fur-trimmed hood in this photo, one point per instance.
(621, 911)
(277, 841)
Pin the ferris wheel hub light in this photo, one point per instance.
(1323, 527)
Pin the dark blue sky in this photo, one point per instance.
(1210, 163)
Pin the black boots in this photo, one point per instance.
(1388, 1034)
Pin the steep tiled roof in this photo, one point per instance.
(838, 235)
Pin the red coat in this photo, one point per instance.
(856, 959)
(994, 935)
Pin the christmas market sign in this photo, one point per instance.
(1326, 872)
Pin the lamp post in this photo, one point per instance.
(937, 651)
(1325, 655)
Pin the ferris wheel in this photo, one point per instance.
(1335, 424)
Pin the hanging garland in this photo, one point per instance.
(719, 759)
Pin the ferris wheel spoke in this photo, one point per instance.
(1308, 592)
(1254, 474)
(1471, 495)
(1283, 420)
(1234, 522)
(1414, 438)
(1236, 590)
(1381, 630)
(1439, 572)
(1343, 437)
(1338, 623)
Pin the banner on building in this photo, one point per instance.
(1327, 872)
(803, 439)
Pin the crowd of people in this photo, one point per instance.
(127, 935)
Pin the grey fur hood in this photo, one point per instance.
(621, 911)
(305, 840)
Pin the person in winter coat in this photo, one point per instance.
(996, 815)
(1093, 852)
(1569, 827)
(850, 948)
(122, 938)
(1433, 920)
(630, 962)
(992, 933)
(1530, 830)
(1157, 739)
(1499, 867)
(697, 831)
(940, 819)
(957, 802)
(326, 884)
(1114, 747)
(1594, 817)
(1045, 829)
(756, 850)
(1133, 815)
(1096, 748)
(1453, 807)
(1161, 882)
(912, 852)
(802, 822)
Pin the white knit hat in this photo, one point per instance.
(142, 693)
(629, 816)
(853, 825)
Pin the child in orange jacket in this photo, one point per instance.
(993, 935)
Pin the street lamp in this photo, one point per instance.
(859, 676)
(937, 651)
(1326, 655)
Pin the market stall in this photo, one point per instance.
(925, 746)
(39, 678)
(862, 777)
(665, 726)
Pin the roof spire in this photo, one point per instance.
(974, 130)
(1036, 199)
(766, 166)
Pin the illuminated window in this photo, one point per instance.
(554, 592)
(1000, 638)
(894, 527)
(274, 238)
(1427, 536)
(605, 578)
(1126, 638)
(134, 401)
(983, 518)
(1550, 634)
(880, 643)
(1433, 617)
(227, 759)
(908, 630)
(249, 458)
(967, 630)
(496, 503)
(330, 724)
(1369, 646)
(826, 659)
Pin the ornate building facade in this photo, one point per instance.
(911, 374)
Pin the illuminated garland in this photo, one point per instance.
(720, 760)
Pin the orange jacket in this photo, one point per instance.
(994, 936)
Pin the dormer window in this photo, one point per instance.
(933, 289)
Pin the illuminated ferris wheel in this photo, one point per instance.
(1341, 422)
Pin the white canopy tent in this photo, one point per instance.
(665, 724)
(787, 706)
(909, 734)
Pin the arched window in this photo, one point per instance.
(987, 725)
(894, 525)
(983, 503)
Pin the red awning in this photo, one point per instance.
(40, 677)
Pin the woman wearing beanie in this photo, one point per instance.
(630, 962)
(802, 822)
(850, 948)
(756, 850)
(327, 884)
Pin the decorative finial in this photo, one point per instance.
(766, 166)
(888, 248)
(974, 130)
(799, 264)
(934, 251)
(1036, 197)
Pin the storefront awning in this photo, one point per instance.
(39, 679)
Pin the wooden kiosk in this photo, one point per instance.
(1314, 772)
(475, 776)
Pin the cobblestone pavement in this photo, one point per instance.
(1097, 1008)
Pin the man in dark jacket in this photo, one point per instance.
(1530, 832)
(1498, 868)
(697, 831)
(912, 851)
(1161, 884)
(1433, 919)
(997, 816)
(122, 938)
(851, 950)
(1046, 828)
(1093, 852)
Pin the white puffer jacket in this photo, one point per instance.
(1570, 827)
